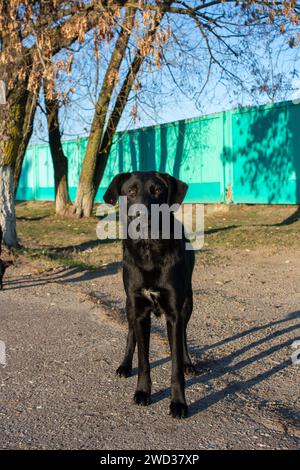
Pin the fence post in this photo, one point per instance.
(35, 172)
(78, 162)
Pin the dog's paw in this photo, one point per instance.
(124, 371)
(142, 398)
(190, 369)
(178, 410)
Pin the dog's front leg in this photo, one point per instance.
(124, 370)
(178, 406)
(142, 324)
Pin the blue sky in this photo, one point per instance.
(176, 90)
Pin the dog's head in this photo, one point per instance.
(147, 188)
(3, 266)
(143, 190)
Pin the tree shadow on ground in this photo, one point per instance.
(81, 247)
(210, 231)
(32, 218)
(290, 220)
(62, 276)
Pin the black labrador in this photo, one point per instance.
(157, 275)
(3, 264)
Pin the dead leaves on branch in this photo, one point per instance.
(28, 32)
(29, 28)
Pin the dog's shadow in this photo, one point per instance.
(208, 369)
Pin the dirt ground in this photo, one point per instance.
(64, 332)
(62, 320)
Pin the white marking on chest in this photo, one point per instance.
(150, 294)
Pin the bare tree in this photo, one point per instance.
(224, 31)
(60, 162)
(31, 34)
(34, 32)
(30, 109)
(109, 107)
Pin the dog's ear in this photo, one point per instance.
(6, 264)
(177, 189)
(114, 190)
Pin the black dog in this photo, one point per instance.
(3, 264)
(157, 275)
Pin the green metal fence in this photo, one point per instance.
(248, 155)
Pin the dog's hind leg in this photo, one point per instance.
(125, 368)
(187, 309)
(178, 406)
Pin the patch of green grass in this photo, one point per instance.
(248, 226)
(73, 242)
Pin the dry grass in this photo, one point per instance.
(74, 242)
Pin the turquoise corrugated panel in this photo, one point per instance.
(27, 184)
(25, 194)
(112, 169)
(204, 192)
(197, 158)
(255, 150)
(44, 174)
(72, 152)
(293, 150)
(266, 155)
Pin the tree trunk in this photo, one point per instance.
(114, 120)
(31, 105)
(12, 115)
(60, 162)
(62, 198)
(7, 206)
(83, 206)
(101, 139)
(86, 191)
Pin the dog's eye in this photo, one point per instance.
(156, 190)
(132, 192)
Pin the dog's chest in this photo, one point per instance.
(151, 294)
(149, 257)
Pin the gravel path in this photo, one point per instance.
(64, 337)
